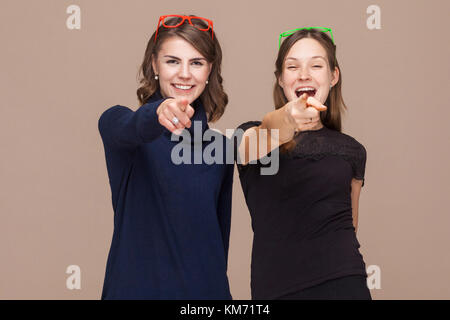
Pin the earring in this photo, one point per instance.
(156, 77)
(207, 81)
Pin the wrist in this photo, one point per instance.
(289, 122)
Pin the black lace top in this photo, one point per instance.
(324, 142)
(302, 215)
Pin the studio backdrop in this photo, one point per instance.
(65, 62)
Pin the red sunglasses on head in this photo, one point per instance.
(193, 21)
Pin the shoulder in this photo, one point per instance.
(105, 116)
(240, 131)
(353, 143)
(112, 110)
(115, 107)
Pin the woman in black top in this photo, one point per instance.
(305, 216)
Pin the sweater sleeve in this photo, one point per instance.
(224, 207)
(120, 127)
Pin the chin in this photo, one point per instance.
(191, 97)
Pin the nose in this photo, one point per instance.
(303, 74)
(184, 72)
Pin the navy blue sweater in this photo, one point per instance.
(171, 222)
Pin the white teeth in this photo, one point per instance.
(305, 89)
(183, 87)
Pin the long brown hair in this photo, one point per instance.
(331, 118)
(214, 98)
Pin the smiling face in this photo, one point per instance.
(306, 69)
(182, 70)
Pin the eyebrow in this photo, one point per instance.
(315, 57)
(176, 58)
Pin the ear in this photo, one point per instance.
(210, 65)
(280, 83)
(155, 70)
(335, 76)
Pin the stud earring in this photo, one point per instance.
(207, 81)
(156, 77)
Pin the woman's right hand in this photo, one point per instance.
(303, 113)
(171, 108)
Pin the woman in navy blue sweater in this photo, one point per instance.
(171, 220)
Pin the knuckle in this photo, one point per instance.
(173, 105)
(167, 113)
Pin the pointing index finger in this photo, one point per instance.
(313, 102)
(182, 104)
(189, 111)
(301, 101)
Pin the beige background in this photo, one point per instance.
(55, 201)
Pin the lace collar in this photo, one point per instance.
(316, 144)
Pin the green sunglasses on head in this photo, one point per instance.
(288, 33)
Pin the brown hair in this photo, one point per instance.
(331, 118)
(213, 97)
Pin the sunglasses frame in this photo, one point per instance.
(288, 33)
(184, 18)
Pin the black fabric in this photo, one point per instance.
(346, 288)
(302, 216)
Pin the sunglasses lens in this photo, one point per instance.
(172, 21)
(200, 23)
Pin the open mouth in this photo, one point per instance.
(311, 92)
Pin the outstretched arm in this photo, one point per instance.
(120, 127)
(297, 115)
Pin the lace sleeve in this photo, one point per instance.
(359, 165)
